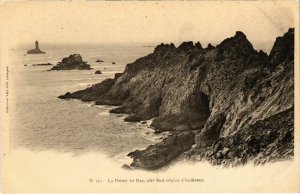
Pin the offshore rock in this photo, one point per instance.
(72, 62)
(98, 72)
(42, 64)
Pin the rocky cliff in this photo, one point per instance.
(234, 103)
(72, 62)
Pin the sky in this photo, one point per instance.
(141, 22)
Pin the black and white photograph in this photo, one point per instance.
(149, 96)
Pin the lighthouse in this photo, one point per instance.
(37, 45)
(36, 50)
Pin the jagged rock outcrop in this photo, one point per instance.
(72, 62)
(156, 156)
(283, 49)
(92, 93)
(230, 96)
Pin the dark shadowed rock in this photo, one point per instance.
(132, 118)
(238, 44)
(72, 62)
(160, 154)
(42, 64)
(267, 140)
(92, 93)
(198, 45)
(283, 48)
(212, 130)
(117, 75)
(98, 72)
(210, 46)
(186, 45)
(65, 96)
(162, 48)
(99, 61)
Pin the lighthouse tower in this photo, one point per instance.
(36, 50)
(37, 45)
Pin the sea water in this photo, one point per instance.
(40, 121)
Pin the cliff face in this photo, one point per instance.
(220, 93)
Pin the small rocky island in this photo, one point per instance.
(42, 64)
(227, 104)
(72, 62)
(98, 72)
(36, 50)
(99, 61)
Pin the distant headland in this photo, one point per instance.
(36, 50)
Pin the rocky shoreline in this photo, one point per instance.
(233, 103)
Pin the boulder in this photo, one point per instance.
(98, 72)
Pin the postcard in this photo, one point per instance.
(149, 96)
